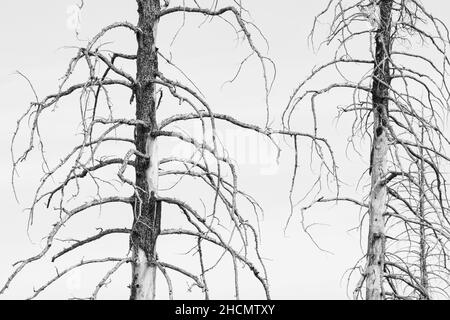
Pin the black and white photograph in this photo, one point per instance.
(225, 150)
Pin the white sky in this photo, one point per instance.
(33, 35)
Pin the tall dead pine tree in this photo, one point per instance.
(147, 210)
(398, 87)
(91, 164)
(378, 161)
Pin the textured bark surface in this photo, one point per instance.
(423, 241)
(147, 211)
(378, 195)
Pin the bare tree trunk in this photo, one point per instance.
(422, 234)
(378, 194)
(147, 211)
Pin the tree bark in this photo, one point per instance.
(378, 194)
(147, 210)
(422, 234)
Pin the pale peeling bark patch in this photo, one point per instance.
(378, 198)
(144, 274)
(152, 170)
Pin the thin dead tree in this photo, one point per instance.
(400, 99)
(62, 185)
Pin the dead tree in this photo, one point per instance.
(208, 162)
(400, 103)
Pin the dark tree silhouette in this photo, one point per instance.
(208, 162)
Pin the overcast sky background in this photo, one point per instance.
(33, 36)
